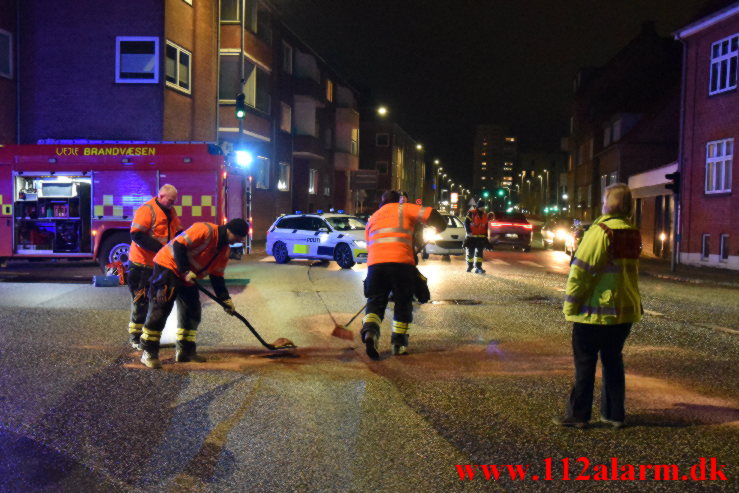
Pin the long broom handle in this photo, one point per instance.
(237, 315)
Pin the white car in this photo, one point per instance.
(328, 236)
(448, 242)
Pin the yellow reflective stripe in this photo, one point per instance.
(151, 335)
(389, 230)
(392, 239)
(153, 215)
(186, 335)
(372, 318)
(207, 241)
(139, 227)
(479, 236)
(187, 238)
(300, 248)
(134, 328)
(400, 327)
(478, 259)
(420, 214)
(400, 216)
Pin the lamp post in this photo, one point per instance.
(546, 192)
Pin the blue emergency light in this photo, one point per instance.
(244, 158)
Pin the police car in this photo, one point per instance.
(324, 236)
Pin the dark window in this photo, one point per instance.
(230, 10)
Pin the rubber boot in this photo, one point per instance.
(185, 352)
(135, 341)
(400, 344)
(469, 266)
(371, 336)
(151, 360)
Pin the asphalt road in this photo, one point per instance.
(490, 365)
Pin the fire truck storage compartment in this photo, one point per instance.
(52, 214)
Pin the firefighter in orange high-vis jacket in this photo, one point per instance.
(392, 268)
(154, 225)
(203, 249)
(476, 226)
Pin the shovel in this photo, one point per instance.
(281, 343)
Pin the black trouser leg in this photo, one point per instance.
(403, 280)
(377, 287)
(189, 313)
(164, 285)
(138, 282)
(585, 350)
(478, 256)
(613, 391)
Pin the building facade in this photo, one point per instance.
(495, 153)
(8, 71)
(173, 75)
(709, 218)
(624, 120)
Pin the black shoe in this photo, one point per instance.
(399, 350)
(469, 267)
(479, 270)
(183, 357)
(151, 360)
(135, 341)
(613, 424)
(570, 422)
(370, 343)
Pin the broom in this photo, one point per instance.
(341, 331)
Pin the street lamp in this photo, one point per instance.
(382, 110)
(419, 147)
(546, 192)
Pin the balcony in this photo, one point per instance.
(306, 146)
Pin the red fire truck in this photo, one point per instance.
(76, 200)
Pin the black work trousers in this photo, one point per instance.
(138, 279)
(588, 341)
(189, 310)
(387, 277)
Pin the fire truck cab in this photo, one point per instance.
(76, 200)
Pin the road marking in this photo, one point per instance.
(529, 262)
(654, 314)
(267, 259)
(719, 328)
(498, 261)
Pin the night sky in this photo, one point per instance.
(443, 67)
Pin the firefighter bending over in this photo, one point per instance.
(391, 268)
(476, 226)
(154, 225)
(202, 249)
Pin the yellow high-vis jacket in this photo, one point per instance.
(602, 287)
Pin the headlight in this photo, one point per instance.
(430, 234)
(561, 234)
(360, 243)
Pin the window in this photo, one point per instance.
(382, 140)
(705, 250)
(355, 142)
(326, 185)
(616, 131)
(606, 136)
(381, 167)
(724, 248)
(137, 60)
(312, 181)
(256, 82)
(283, 181)
(286, 118)
(287, 58)
(178, 67)
(189, 2)
(6, 54)
(719, 161)
(230, 10)
(329, 90)
(724, 54)
(603, 183)
(261, 172)
(612, 177)
(250, 9)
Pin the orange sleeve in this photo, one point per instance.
(193, 236)
(141, 220)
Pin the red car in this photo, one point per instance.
(510, 229)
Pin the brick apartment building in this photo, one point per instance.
(709, 219)
(495, 153)
(625, 120)
(8, 71)
(397, 158)
(170, 70)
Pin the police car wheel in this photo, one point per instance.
(343, 256)
(279, 251)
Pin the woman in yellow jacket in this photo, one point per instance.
(602, 299)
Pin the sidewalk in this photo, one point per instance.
(688, 273)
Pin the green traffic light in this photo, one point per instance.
(501, 192)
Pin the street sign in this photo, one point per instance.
(419, 201)
(364, 179)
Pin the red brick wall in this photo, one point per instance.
(707, 118)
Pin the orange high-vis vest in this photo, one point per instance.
(478, 223)
(201, 240)
(151, 219)
(389, 233)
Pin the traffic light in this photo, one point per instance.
(501, 192)
(674, 184)
(240, 106)
(485, 194)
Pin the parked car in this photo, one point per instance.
(448, 242)
(557, 232)
(510, 229)
(329, 236)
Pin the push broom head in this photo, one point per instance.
(283, 343)
(342, 332)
